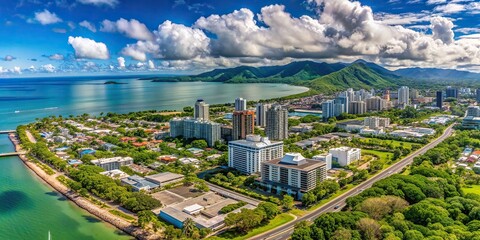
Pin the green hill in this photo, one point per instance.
(290, 73)
(357, 75)
(323, 77)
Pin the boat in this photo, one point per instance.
(16, 111)
(49, 237)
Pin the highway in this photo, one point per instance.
(286, 230)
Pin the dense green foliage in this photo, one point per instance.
(104, 187)
(232, 207)
(248, 219)
(428, 203)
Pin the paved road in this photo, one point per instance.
(285, 231)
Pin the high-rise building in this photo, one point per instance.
(403, 96)
(293, 173)
(261, 114)
(451, 92)
(386, 96)
(248, 155)
(439, 99)
(240, 104)
(357, 107)
(201, 110)
(196, 128)
(328, 110)
(243, 124)
(338, 109)
(376, 104)
(342, 99)
(277, 123)
(414, 93)
(478, 95)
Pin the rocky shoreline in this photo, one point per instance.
(83, 203)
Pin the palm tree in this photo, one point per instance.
(188, 227)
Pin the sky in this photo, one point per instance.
(68, 37)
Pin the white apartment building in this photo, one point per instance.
(326, 158)
(110, 164)
(293, 174)
(240, 104)
(403, 96)
(345, 155)
(376, 122)
(248, 155)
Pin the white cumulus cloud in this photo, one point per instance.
(132, 29)
(121, 62)
(110, 3)
(88, 48)
(46, 17)
(88, 25)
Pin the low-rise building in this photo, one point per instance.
(112, 163)
(293, 174)
(345, 155)
(115, 174)
(326, 158)
(139, 183)
(471, 122)
(164, 178)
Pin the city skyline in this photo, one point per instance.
(180, 36)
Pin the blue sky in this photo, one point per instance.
(189, 36)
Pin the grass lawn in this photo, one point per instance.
(382, 155)
(472, 189)
(394, 143)
(277, 221)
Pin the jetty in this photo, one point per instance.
(7, 131)
(12, 154)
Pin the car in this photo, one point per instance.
(390, 172)
(336, 207)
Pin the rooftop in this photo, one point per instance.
(255, 141)
(308, 165)
(164, 177)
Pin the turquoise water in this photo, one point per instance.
(29, 208)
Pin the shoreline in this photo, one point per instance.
(79, 201)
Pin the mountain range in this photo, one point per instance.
(324, 77)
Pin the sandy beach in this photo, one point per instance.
(95, 210)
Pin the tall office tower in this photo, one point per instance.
(338, 109)
(357, 107)
(342, 98)
(248, 155)
(240, 104)
(350, 94)
(261, 114)
(439, 99)
(386, 96)
(403, 96)
(243, 124)
(478, 95)
(277, 123)
(328, 110)
(414, 93)
(451, 92)
(376, 104)
(201, 110)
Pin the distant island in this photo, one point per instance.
(113, 82)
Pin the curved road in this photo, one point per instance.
(286, 230)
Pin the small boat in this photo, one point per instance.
(16, 111)
(49, 237)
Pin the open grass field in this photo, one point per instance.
(382, 155)
(394, 143)
(472, 189)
